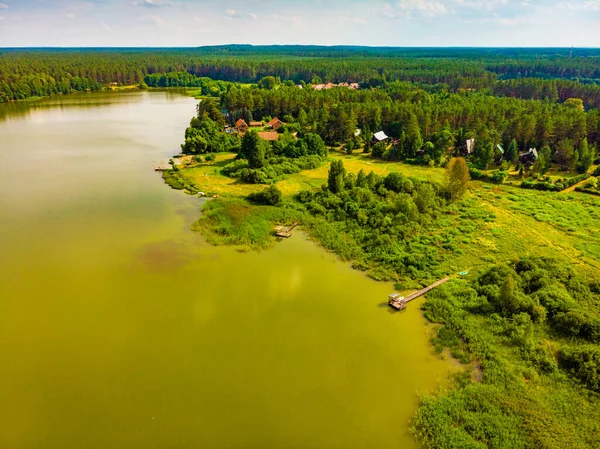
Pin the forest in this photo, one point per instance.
(423, 127)
(42, 72)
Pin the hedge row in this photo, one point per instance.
(557, 186)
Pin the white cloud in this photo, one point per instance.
(106, 26)
(231, 13)
(593, 5)
(354, 19)
(424, 7)
(1, 18)
(3, 6)
(252, 15)
(70, 16)
(484, 4)
(387, 11)
(150, 4)
(410, 8)
(158, 20)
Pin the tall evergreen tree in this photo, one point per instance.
(335, 179)
(512, 152)
(586, 157)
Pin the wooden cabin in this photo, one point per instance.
(241, 125)
(529, 157)
(275, 124)
(256, 124)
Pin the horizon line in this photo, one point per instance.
(301, 45)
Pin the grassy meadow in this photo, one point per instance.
(493, 223)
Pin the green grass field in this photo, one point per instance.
(525, 222)
(207, 176)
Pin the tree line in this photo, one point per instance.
(422, 123)
(25, 73)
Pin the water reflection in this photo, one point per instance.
(25, 109)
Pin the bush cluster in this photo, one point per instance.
(271, 196)
(274, 171)
(497, 177)
(388, 225)
(529, 324)
(556, 186)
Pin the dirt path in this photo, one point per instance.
(573, 187)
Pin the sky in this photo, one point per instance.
(191, 23)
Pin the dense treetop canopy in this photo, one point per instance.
(31, 72)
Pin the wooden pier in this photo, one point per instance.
(285, 231)
(162, 168)
(399, 302)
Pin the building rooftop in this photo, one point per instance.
(269, 135)
(380, 136)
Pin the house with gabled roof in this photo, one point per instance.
(529, 157)
(241, 125)
(275, 124)
(379, 137)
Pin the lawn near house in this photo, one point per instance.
(207, 177)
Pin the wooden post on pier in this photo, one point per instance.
(285, 231)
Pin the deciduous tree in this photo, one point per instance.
(457, 178)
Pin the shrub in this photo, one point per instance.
(499, 177)
(547, 186)
(379, 149)
(397, 182)
(578, 323)
(560, 184)
(569, 182)
(555, 299)
(583, 362)
(271, 196)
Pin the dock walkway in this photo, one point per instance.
(399, 303)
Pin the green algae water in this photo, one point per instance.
(121, 328)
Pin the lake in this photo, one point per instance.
(121, 328)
